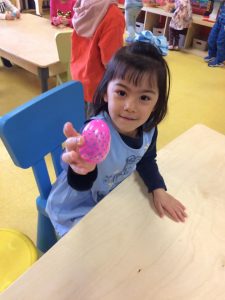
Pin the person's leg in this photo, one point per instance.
(182, 35)
(212, 47)
(171, 38)
(181, 38)
(176, 39)
(131, 13)
(6, 63)
(220, 55)
(184, 31)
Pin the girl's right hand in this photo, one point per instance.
(72, 156)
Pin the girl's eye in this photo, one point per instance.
(121, 93)
(145, 98)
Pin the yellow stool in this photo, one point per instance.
(17, 254)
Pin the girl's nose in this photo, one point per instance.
(129, 105)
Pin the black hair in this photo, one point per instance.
(132, 62)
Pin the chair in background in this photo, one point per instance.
(35, 129)
(63, 43)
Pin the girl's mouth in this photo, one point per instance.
(127, 118)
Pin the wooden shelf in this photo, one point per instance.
(152, 18)
(194, 51)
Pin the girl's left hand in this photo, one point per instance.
(64, 21)
(165, 203)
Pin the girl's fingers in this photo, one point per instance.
(69, 157)
(181, 205)
(69, 130)
(181, 216)
(173, 215)
(178, 214)
(78, 165)
(73, 143)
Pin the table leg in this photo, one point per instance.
(43, 75)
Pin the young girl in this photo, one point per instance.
(180, 21)
(98, 34)
(132, 99)
(61, 12)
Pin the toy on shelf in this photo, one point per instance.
(199, 7)
(150, 3)
(97, 140)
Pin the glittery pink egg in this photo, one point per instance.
(96, 141)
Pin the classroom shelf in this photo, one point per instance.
(155, 16)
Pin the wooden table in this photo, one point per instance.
(29, 42)
(122, 250)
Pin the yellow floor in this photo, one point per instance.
(197, 96)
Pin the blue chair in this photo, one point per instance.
(35, 129)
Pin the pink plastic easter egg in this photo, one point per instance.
(96, 141)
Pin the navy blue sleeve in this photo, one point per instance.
(148, 168)
(81, 182)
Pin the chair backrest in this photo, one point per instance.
(63, 43)
(35, 129)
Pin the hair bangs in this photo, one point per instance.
(133, 74)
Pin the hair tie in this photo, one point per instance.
(160, 42)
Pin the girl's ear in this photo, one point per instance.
(105, 98)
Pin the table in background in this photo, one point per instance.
(123, 250)
(29, 42)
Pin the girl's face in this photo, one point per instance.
(129, 105)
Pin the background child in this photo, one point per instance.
(61, 12)
(132, 99)
(8, 12)
(132, 10)
(98, 34)
(180, 22)
(216, 40)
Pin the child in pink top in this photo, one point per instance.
(61, 12)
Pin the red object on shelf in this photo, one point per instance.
(121, 1)
(208, 20)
